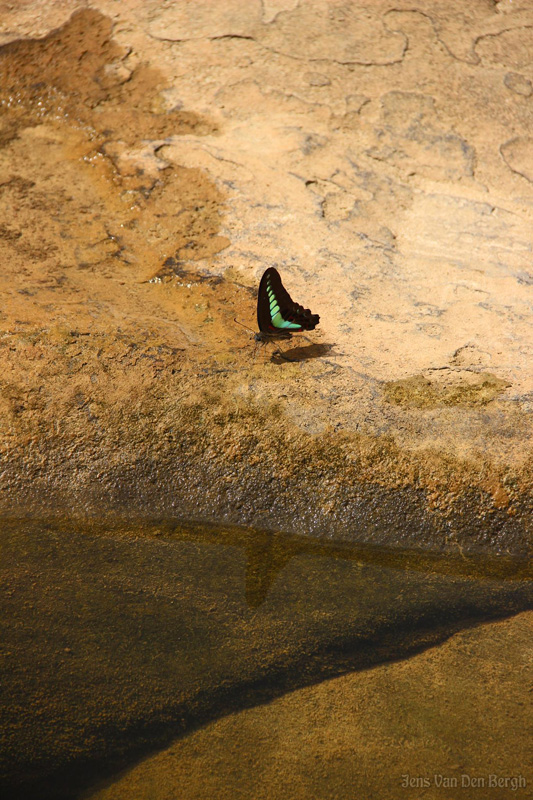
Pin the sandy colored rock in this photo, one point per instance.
(156, 160)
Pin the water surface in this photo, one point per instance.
(118, 638)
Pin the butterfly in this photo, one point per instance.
(278, 316)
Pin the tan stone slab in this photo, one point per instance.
(379, 157)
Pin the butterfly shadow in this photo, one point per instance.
(301, 353)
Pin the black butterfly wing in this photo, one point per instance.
(276, 311)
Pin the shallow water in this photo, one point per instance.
(119, 638)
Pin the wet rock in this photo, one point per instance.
(337, 735)
(119, 638)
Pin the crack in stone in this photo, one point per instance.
(225, 36)
(482, 36)
(509, 144)
(277, 52)
(354, 62)
(436, 32)
(350, 63)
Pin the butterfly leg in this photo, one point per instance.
(281, 353)
(256, 345)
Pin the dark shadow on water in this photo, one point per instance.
(122, 637)
(268, 552)
(303, 353)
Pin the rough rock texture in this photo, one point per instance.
(156, 158)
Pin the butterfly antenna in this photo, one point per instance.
(243, 326)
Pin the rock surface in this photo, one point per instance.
(371, 734)
(156, 159)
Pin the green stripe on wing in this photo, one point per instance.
(275, 313)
